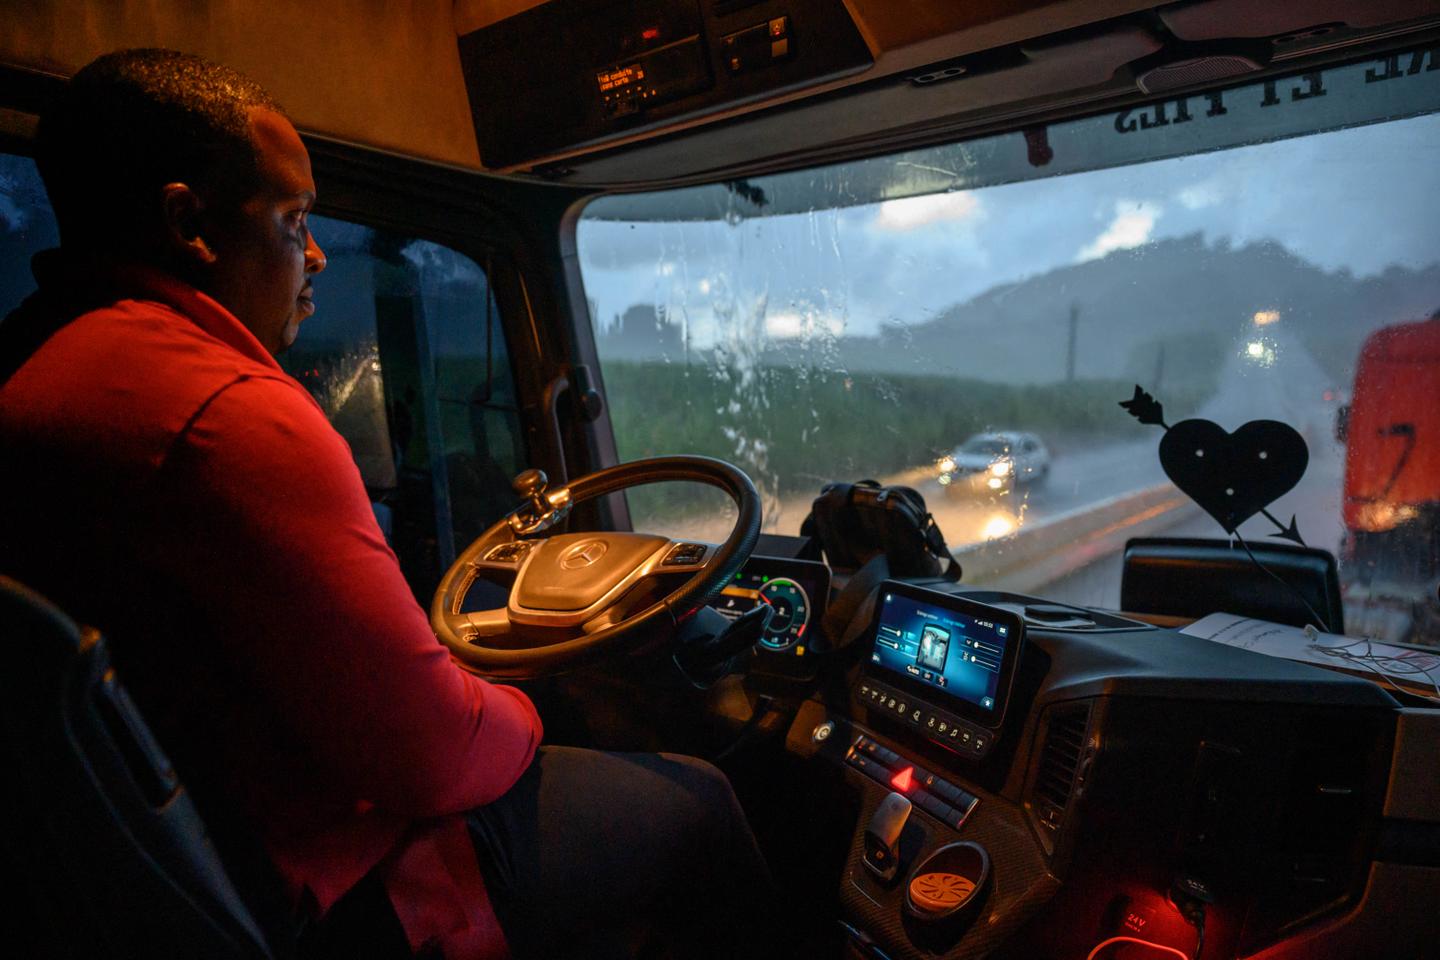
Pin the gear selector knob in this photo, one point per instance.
(531, 485)
(882, 836)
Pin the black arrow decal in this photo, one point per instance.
(1291, 533)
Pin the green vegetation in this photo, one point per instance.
(793, 429)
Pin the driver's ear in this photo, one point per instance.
(182, 211)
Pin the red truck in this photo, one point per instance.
(1391, 554)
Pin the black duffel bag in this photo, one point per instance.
(855, 522)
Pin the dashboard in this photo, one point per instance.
(1032, 779)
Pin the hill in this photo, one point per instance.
(1167, 314)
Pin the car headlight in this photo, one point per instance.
(1000, 468)
(947, 465)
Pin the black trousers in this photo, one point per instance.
(601, 855)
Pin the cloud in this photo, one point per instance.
(789, 325)
(1198, 196)
(1133, 223)
(908, 213)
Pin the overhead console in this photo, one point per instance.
(670, 91)
(631, 66)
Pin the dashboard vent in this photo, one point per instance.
(1061, 755)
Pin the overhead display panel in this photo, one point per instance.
(627, 67)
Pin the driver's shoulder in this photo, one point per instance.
(116, 386)
(266, 424)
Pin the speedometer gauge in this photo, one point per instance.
(790, 613)
(795, 591)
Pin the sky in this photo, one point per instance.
(1361, 199)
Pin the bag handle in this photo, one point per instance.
(847, 617)
(935, 540)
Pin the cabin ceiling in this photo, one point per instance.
(899, 72)
(376, 72)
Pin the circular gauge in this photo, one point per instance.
(790, 613)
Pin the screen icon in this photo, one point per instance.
(987, 702)
(934, 645)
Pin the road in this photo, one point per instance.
(1079, 476)
(1315, 504)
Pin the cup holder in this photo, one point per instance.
(944, 893)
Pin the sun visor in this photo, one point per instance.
(1223, 19)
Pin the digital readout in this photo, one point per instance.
(789, 604)
(617, 77)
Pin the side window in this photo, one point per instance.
(407, 357)
(27, 226)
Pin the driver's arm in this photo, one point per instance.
(322, 623)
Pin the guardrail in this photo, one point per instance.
(1039, 554)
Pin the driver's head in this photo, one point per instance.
(193, 168)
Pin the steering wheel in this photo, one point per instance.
(567, 603)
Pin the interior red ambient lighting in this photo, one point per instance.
(650, 34)
(903, 780)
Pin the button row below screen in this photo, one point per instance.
(950, 732)
(929, 791)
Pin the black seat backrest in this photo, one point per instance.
(1192, 577)
(116, 859)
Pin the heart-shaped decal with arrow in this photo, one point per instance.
(1232, 476)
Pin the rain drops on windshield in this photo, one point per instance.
(906, 319)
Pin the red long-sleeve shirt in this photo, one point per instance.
(165, 480)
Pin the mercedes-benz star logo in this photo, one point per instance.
(583, 554)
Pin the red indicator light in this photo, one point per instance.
(903, 780)
(651, 33)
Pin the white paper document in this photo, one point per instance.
(1415, 671)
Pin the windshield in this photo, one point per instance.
(985, 446)
(1268, 253)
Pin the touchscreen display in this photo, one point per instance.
(944, 649)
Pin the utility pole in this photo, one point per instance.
(1070, 346)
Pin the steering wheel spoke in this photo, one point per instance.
(685, 556)
(480, 624)
(506, 555)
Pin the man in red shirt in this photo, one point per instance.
(167, 482)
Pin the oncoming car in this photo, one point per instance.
(994, 462)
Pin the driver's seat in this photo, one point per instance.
(98, 829)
